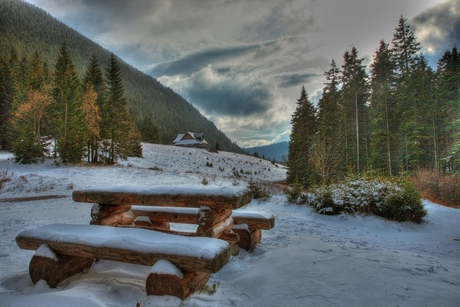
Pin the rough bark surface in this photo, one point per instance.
(166, 284)
(54, 272)
(248, 238)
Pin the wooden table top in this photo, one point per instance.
(170, 196)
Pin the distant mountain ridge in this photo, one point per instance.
(277, 151)
(27, 29)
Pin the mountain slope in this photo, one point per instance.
(277, 151)
(27, 29)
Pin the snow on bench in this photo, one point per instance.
(64, 250)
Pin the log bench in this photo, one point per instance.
(247, 225)
(179, 265)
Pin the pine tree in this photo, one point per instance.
(383, 120)
(115, 117)
(304, 128)
(67, 123)
(355, 94)
(327, 158)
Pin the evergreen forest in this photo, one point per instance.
(396, 117)
(58, 86)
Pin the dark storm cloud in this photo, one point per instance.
(233, 100)
(438, 28)
(295, 79)
(195, 62)
(223, 95)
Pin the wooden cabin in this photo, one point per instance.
(191, 139)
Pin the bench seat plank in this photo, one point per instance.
(133, 245)
(167, 214)
(254, 220)
(174, 196)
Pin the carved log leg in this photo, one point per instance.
(171, 284)
(164, 225)
(232, 238)
(217, 223)
(145, 222)
(248, 238)
(111, 215)
(54, 271)
(213, 222)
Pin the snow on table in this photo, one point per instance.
(224, 197)
(211, 190)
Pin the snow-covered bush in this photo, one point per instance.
(395, 199)
(259, 191)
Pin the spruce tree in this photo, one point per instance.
(383, 120)
(416, 102)
(116, 121)
(405, 47)
(448, 97)
(327, 158)
(67, 123)
(355, 94)
(95, 77)
(304, 128)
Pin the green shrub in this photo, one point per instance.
(395, 199)
(293, 193)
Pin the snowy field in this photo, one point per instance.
(306, 260)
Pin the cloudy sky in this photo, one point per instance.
(243, 63)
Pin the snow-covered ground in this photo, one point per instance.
(306, 260)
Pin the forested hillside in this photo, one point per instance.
(27, 30)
